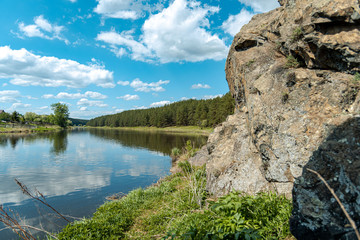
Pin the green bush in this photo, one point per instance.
(240, 216)
(175, 152)
(291, 62)
(357, 77)
(297, 34)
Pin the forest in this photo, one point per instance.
(203, 113)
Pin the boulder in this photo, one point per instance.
(292, 72)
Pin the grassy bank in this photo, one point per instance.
(192, 130)
(178, 207)
(28, 130)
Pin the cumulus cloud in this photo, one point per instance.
(261, 5)
(159, 104)
(177, 33)
(123, 83)
(87, 103)
(199, 85)
(65, 95)
(129, 97)
(140, 86)
(19, 105)
(9, 96)
(27, 69)
(212, 96)
(234, 23)
(42, 28)
(125, 9)
(135, 49)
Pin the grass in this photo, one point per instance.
(28, 130)
(178, 207)
(190, 130)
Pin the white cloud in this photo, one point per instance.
(178, 33)
(129, 97)
(43, 29)
(140, 86)
(261, 5)
(27, 69)
(234, 23)
(65, 95)
(4, 84)
(125, 9)
(199, 85)
(44, 107)
(159, 104)
(123, 83)
(11, 96)
(119, 110)
(18, 105)
(87, 103)
(137, 50)
(212, 96)
(83, 108)
(73, 1)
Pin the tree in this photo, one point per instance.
(15, 116)
(61, 114)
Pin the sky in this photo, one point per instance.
(106, 56)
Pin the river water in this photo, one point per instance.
(76, 170)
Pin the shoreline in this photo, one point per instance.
(190, 130)
(28, 130)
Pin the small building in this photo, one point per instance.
(2, 111)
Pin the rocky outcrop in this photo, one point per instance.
(292, 74)
(316, 213)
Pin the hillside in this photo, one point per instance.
(203, 113)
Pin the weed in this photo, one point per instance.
(356, 79)
(291, 62)
(249, 63)
(297, 34)
(175, 152)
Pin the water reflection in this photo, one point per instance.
(77, 169)
(155, 141)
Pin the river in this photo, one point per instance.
(76, 170)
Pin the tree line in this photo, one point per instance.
(203, 113)
(59, 117)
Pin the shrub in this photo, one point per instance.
(357, 77)
(175, 152)
(240, 216)
(297, 34)
(291, 62)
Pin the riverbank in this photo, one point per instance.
(178, 207)
(188, 130)
(28, 130)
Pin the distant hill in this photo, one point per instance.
(77, 122)
(204, 113)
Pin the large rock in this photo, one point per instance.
(316, 214)
(291, 72)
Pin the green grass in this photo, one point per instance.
(177, 207)
(191, 130)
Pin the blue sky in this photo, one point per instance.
(106, 56)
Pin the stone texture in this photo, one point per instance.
(316, 213)
(285, 115)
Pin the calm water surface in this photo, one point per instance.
(76, 170)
